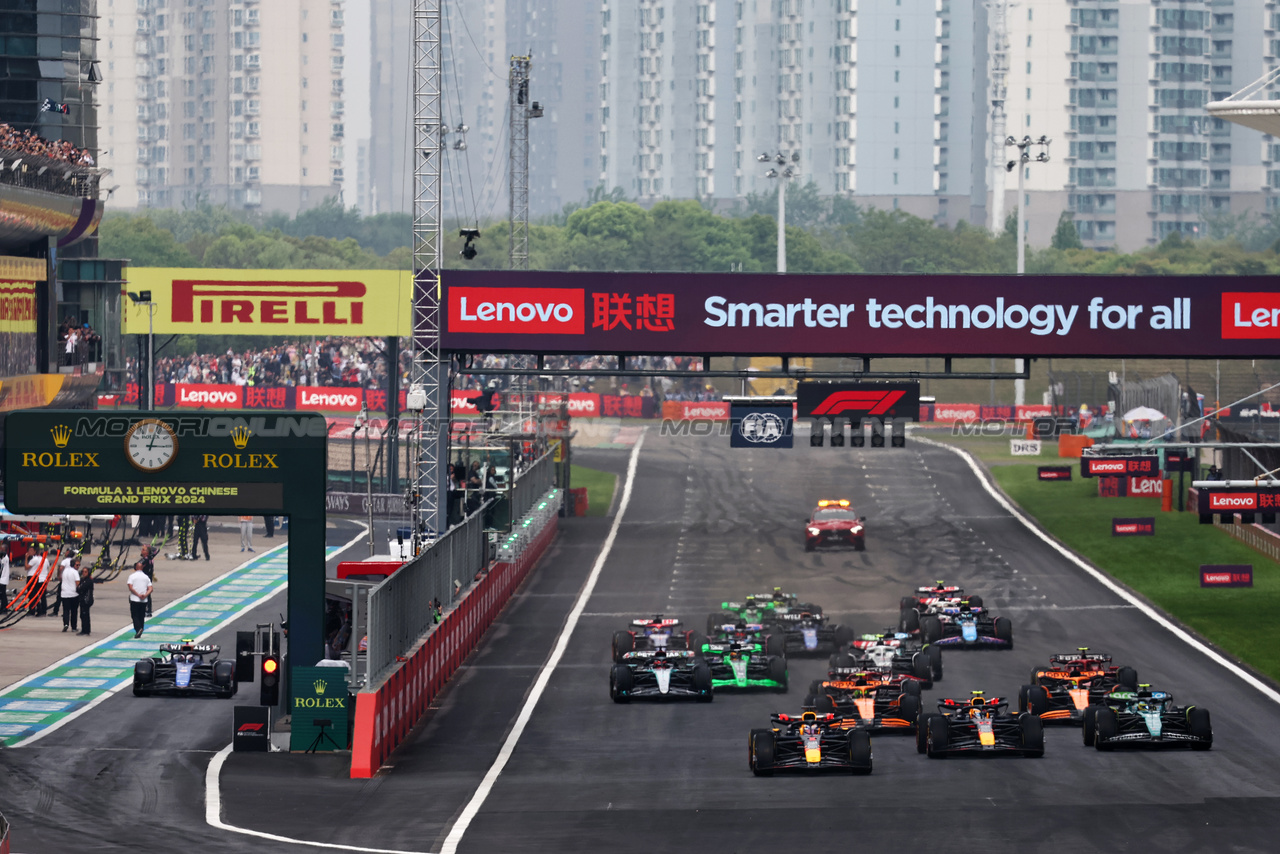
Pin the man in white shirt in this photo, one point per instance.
(39, 565)
(70, 594)
(4, 576)
(139, 585)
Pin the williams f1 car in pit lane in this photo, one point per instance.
(808, 742)
(654, 633)
(812, 634)
(744, 665)
(978, 726)
(874, 700)
(898, 651)
(190, 670)
(834, 522)
(1072, 683)
(1146, 718)
(661, 674)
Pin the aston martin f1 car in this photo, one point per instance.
(189, 670)
(808, 742)
(1146, 718)
(874, 700)
(1072, 683)
(898, 651)
(661, 674)
(654, 633)
(967, 626)
(812, 634)
(744, 665)
(834, 522)
(979, 726)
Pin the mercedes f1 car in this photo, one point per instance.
(812, 634)
(898, 651)
(654, 633)
(874, 700)
(808, 742)
(979, 726)
(1072, 683)
(744, 665)
(189, 670)
(661, 674)
(834, 522)
(1146, 718)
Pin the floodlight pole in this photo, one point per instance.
(1024, 147)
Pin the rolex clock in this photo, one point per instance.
(151, 445)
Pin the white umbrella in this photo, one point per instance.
(1144, 413)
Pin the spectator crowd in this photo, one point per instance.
(26, 142)
(79, 342)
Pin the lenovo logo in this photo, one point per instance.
(578, 406)
(955, 413)
(1146, 487)
(520, 310)
(186, 395)
(870, 402)
(266, 303)
(1233, 501)
(1107, 467)
(1250, 315)
(328, 400)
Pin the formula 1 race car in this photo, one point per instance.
(1146, 718)
(1072, 683)
(834, 522)
(662, 674)
(744, 665)
(978, 726)
(191, 670)
(965, 625)
(808, 742)
(771, 638)
(898, 651)
(874, 700)
(760, 608)
(812, 634)
(925, 597)
(654, 633)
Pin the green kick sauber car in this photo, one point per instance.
(745, 666)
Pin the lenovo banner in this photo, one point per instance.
(1053, 472)
(580, 404)
(1226, 575)
(1119, 466)
(209, 396)
(695, 410)
(866, 315)
(1144, 527)
(855, 401)
(963, 412)
(329, 398)
(760, 425)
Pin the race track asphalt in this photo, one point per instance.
(706, 523)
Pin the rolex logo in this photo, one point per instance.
(61, 435)
(240, 435)
(319, 686)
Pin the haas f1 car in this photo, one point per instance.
(737, 665)
(654, 633)
(979, 726)
(661, 674)
(898, 651)
(1072, 683)
(808, 742)
(190, 670)
(874, 700)
(1146, 718)
(834, 522)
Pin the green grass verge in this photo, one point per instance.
(599, 484)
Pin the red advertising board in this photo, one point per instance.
(965, 412)
(1142, 527)
(710, 410)
(1146, 487)
(1131, 466)
(329, 399)
(1226, 575)
(1029, 413)
(1226, 502)
(1053, 472)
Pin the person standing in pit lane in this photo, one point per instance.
(4, 576)
(149, 567)
(246, 533)
(85, 589)
(200, 534)
(140, 587)
(70, 596)
(38, 566)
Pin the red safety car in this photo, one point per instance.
(834, 522)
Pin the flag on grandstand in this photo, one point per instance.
(52, 106)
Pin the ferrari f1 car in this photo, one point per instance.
(898, 651)
(661, 674)
(744, 665)
(1072, 683)
(834, 522)
(808, 742)
(979, 726)
(1146, 718)
(654, 633)
(189, 670)
(874, 700)
(966, 625)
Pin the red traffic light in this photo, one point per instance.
(270, 665)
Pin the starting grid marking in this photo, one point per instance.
(32, 706)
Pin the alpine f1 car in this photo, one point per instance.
(808, 742)
(189, 670)
(1072, 683)
(979, 726)
(874, 700)
(760, 608)
(834, 522)
(812, 634)
(966, 625)
(654, 633)
(1146, 718)
(898, 651)
(661, 674)
(744, 665)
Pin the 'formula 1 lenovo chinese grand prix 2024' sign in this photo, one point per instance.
(867, 315)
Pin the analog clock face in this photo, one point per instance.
(151, 445)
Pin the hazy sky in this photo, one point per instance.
(356, 85)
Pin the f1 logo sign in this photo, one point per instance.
(857, 400)
(250, 727)
(869, 402)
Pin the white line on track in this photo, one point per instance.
(1160, 618)
(504, 755)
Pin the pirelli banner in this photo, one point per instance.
(303, 303)
(860, 315)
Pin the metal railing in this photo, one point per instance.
(532, 484)
(36, 172)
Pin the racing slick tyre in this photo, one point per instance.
(623, 642)
(975, 601)
(1035, 675)
(935, 661)
(922, 733)
(1037, 699)
(1032, 735)
(1105, 728)
(912, 687)
(843, 635)
(224, 676)
(1089, 724)
(1004, 630)
(815, 687)
(909, 620)
(694, 641)
(620, 683)
(775, 642)
(930, 630)
(909, 707)
(860, 752)
(1198, 726)
(144, 672)
(1022, 698)
(907, 602)
(778, 673)
(1128, 678)
(939, 732)
(762, 752)
(842, 659)
(702, 682)
(920, 668)
(860, 545)
(715, 621)
(821, 703)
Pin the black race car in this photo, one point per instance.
(661, 674)
(190, 670)
(808, 742)
(656, 632)
(772, 638)
(979, 726)
(1146, 718)
(811, 634)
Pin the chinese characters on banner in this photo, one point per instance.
(647, 312)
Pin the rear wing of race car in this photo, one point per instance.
(950, 706)
(1068, 657)
(642, 655)
(656, 621)
(201, 648)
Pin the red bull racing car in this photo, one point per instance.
(808, 742)
(979, 726)
(834, 522)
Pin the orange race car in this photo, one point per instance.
(1071, 683)
(871, 699)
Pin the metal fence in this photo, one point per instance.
(533, 483)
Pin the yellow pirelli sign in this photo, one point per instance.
(301, 303)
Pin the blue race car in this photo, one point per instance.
(966, 625)
(190, 670)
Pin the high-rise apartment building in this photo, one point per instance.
(235, 102)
